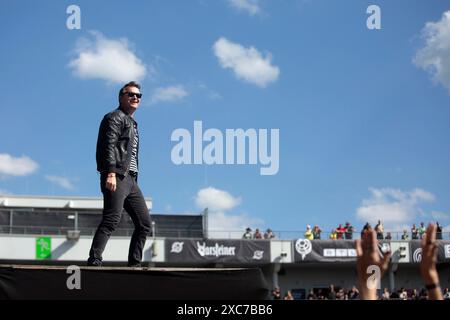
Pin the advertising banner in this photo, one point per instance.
(217, 251)
(43, 248)
(443, 251)
(329, 250)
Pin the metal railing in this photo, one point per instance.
(300, 234)
(47, 230)
(19, 221)
(8, 220)
(178, 233)
(119, 232)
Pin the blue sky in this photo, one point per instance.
(363, 115)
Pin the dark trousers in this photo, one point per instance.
(127, 196)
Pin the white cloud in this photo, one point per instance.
(214, 95)
(108, 59)
(393, 206)
(16, 166)
(211, 94)
(434, 57)
(439, 215)
(222, 224)
(247, 63)
(61, 181)
(225, 225)
(216, 200)
(168, 94)
(250, 6)
(421, 195)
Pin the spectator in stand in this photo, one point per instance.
(403, 295)
(386, 295)
(446, 294)
(414, 232)
(340, 232)
(269, 234)
(405, 235)
(414, 294)
(311, 295)
(422, 230)
(333, 234)
(331, 293)
(353, 293)
(367, 228)
(340, 294)
(388, 236)
(379, 229)
(288, 296)
(308, 233)
(316, 232)
(348, 231)
(257, 234)
(247, 234)
(276, 294)
(368, 254)
(320, 295)
(438, 231)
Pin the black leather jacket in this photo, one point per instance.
(114, 143)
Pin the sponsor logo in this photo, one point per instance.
(352, 252)
(215, 251)
(340, 252)
(329, 252)
(177, 247)
(303, 247)
(258, 255)
(447, 251)
(385, 247)
(417, 255)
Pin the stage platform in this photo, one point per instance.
(44, 282)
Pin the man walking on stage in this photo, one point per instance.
(117, 162)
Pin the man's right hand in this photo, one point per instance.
(111, 183)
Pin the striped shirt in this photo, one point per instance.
(134, 151)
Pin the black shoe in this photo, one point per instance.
(134, 265)
(94, 263)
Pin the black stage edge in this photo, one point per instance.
(21, 282)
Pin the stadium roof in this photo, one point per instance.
(19, 201)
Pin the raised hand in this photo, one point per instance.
(428, 263)
(368, 255)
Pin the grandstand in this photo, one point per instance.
(57, 231)
(58, 215)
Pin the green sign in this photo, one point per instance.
(43, 248)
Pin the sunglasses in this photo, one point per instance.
(132, 94)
